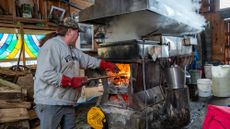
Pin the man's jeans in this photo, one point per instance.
(51, 116)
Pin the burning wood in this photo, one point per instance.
(121, 78)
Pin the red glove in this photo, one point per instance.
(75, 82)
(108, 65)
(78, 81)
(65, 81)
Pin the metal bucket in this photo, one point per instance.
(195, 75)
(175, 77)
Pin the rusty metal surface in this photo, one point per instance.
(131, 49)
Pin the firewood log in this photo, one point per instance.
(14, 104)
(13, 115)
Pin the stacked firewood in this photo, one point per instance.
(15, 111)
(12, 75)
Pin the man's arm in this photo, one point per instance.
(48, 60)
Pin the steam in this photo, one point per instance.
(183, 11)
(135, 25)
(121, 28)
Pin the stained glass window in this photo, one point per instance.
(10, 46)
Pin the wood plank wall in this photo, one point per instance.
(218, 29)
(227, 45)
(218, 36)
(5, 5)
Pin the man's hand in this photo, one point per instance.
(78, 81)
(109, 66)
(65, 81)
(75, 82)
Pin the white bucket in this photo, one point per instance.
(204, 87)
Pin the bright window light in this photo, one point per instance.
(224, 4)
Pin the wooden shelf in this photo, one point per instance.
(21, 19)
(30, 20)
(28, 29)
(27, 26)
(6, 17)
(8, 60)
(12, 21)
(8, 21)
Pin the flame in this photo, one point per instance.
(124, 70)
(121, 78)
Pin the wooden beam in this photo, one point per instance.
(12, 104)
(11, 60)
(29, 29)
(30, 20)
(13, 115)
(11, 95)
(218, 36)
(12, 5)
(22, 124)
(10, 85)
(11, 91)
(82, 3)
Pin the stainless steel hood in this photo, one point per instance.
(145, 15)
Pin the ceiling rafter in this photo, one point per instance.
(82, 3)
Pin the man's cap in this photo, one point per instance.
(71, 23)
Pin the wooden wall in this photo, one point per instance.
(218, 36)
(5, 5)
(218, 29)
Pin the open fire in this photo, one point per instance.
(118, 85)
(121, 78)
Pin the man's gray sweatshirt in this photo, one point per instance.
(56, 58)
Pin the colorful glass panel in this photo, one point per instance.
(10, 45)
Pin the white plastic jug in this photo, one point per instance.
(221, 80)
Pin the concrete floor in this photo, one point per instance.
(198, 110)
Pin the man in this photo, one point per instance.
(57, 80)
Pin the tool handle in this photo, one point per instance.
(102, 77)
